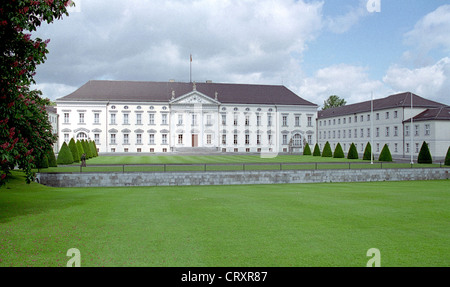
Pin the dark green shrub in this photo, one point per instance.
(80, 148)
(307, 150)
(338, 152)
(385, 154)
(327, 150)
(316, 151)
(352, 152)
(42, 162)
(367, 152)
(87, 149)
(51, 158)
(447, 157)
(64, 155)
(73, 148)
(424, 154)
(95, 148)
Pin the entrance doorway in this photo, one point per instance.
(194, 140)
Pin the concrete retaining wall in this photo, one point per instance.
(237, 177)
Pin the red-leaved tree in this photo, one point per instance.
(25, 131)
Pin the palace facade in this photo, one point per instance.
(157, 117)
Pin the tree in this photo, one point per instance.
(73, 148)
(316, 151)
(447, 157)
(64, 155)
(385, 154)
(332, 102)
(51, 158)
(327, 150)
(352, 152)
(424, 154)
(338, 152)
(367, 152)
(25, 131)
(80, 148)
(307, 150)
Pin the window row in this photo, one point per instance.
(345, 120)
(386, 131)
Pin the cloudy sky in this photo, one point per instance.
(349, 48)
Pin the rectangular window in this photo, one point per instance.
(247, 120)
(285, 139)
(387, 131)
(138, 119)
(81, 118)
(164, 138)
(395, 147)
(284, 121)
(368, 118)
(427, 130)
(362, 133)
(125, 119)
(395, 114)
(96, 118)
(208, 139)
(126, 138)
(395, 131)
(235, 120)
(406, 130)
(164, 119)
(356, 119)
(258, 120)
(139, 139)
(224, 139)
(235, 139)
(66, 118)
(416, 130)
(377, 116)
(349, 120)
(224, 120)
(407, 147)
(349, 134)
(377, 132)
(180, 120)
(378, 147)
(387, 115)
(356, 133)
(113, 119)
(258, 139)
(362, 118)
(309, 139)
(417, 148)
(247, 139)
(151, 139)
(297, 121)
(309, 121)
(97, 138)
(151, 119)
(269, 138)
(180, 139)
(66, 138)
(269, 120)
(113, 138)
(368, 132)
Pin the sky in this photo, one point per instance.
(350, 48)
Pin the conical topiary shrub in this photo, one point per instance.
(316, 151)
(51, 158)
(447, 157)
(80, 148)
(327, 150)
(74, 150)
(385, 154)
(64, 155)
(352, 152)
(367, 152)
(338, 152)
(42, 162)
(424, 154)
(307, 150)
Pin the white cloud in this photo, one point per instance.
(432, 82)
(251, 41)
(346, 81)
(342, 23)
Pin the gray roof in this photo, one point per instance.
(434, 114)
(392, 101)
(133, 91)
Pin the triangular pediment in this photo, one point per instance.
(194, 97)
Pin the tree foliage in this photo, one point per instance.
(327, 150)
(307, 150)
(352, 152)
(64, 155)
(367, 152)
(332, 102)
(316, 151)
(338, 152)
(385, 154)
(25, 131)
(73, 148)
(424, 154)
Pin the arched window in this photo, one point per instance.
(297, 140)
(82, 136)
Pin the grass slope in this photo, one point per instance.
(249, 225)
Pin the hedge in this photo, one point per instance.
(367, 152)
(385, 154)
(73, 148)
(338, 152)
(316, 151)
(64, 155)
(327, 150)
(424, 154)
(352, 152)
(307, 150)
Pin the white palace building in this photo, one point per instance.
(156, 117)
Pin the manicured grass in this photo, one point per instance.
(221, 162)
(249, 225)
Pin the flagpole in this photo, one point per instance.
(371, 129)
(190, 69)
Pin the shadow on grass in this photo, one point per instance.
(17, 198)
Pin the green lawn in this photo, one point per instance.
(249, 225)
(221, 162)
